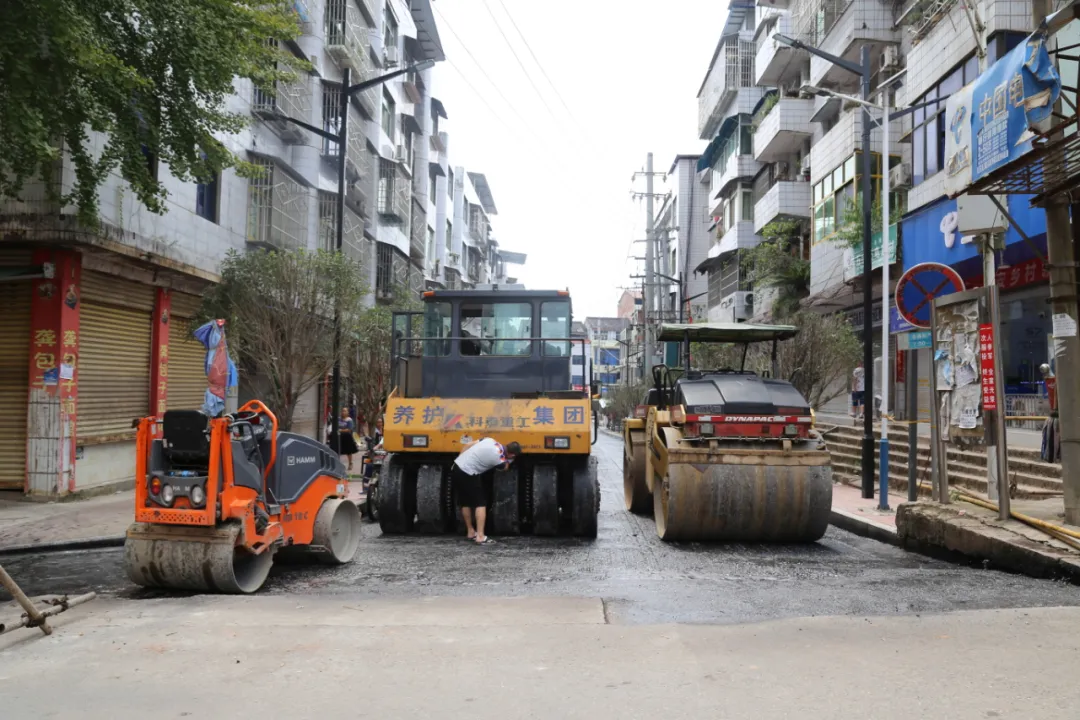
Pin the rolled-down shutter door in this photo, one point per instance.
(114, 356)
(187, 356)
(14, 376)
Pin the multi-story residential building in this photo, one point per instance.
(607, 349)
(726, 102)
(631, 309)
(682, 227)
(96, 323)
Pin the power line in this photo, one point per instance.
(538, 63)
(528, 76)
(483, 72)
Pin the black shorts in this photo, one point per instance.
(469, 489)
(857, 397)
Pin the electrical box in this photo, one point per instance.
(977, 215)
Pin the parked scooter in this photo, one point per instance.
(374, 456)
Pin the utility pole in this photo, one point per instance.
(650, 260)
(1060, 238)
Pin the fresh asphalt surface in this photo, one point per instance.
(640, 578)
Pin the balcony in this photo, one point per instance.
(391, 273)
(347, 37)
(395, 192)
(289, 100)
(478, 225)
(739, 166)
(843, 139)
(783, 129)
(412, 85)
(740, 236)
(353, 244)
(277, 209)
(732, 69)
(356, 154)
(782, 199)
(777, 64)
(841, 28)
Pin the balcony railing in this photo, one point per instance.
(395, 192)
(783, 128)
(347, 37)
(356, 153)
(277, 209)
(734, 69)
(290, 99)
(353, 244)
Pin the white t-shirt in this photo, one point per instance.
(860, 380)
(481, 457)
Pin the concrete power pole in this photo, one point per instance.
(650, 265)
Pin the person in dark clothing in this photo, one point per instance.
(345, 441)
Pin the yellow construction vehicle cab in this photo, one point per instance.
(488, 363)
(725, 454)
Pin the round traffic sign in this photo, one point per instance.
(919, 285)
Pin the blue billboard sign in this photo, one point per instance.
(1017, 91)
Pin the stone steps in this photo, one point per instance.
(1032, 478)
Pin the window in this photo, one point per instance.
(438, 323)
(449, 235)
(607, 356)
(499, 329)
(555, 323)
(388, 113)
(206, 198)
(433, 179)
(390, 29)
(748, 205)
(450, 182)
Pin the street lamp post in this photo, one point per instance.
(886, 118)
(863, 71)
(341, 139)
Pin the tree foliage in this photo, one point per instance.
(624, 398)
(817, 361)
(279, 310)
(150, 75)
(850, 230)
(777, 263)
(370, 354)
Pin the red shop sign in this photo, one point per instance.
(1029, 272)
(986, 358)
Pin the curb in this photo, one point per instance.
(94, 543)
(864, 527)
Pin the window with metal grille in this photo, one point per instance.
(331, 111)
(327, 220)
(386, 185)
(389, 113)
(384, 270)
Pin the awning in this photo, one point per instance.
(726, 129)
(409, 124)
(437, 107)
(437, 169)
(726, 332)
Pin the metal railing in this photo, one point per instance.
(277, 209)
(347, 38)
(292, 99)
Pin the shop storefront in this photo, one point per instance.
(929, 235)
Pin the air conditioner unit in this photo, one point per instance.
(400, 154)
(391, 57)
(890, 58)
(900, 177)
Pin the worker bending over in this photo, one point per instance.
(476, 459)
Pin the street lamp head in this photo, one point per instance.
(425, 65)
(785, 40)
(814, 90)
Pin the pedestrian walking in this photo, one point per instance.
(476, 459)
(346, 442)
(858, 388)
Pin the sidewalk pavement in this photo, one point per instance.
(96, 521)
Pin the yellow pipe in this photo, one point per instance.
(1046, 527)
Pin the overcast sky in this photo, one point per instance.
(628, 72)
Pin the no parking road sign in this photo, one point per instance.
(919, 285)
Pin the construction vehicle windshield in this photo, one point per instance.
(478, 343)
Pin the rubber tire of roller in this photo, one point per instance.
(336, 531)
(635, 489)
(545, 519)
(430, 514)
(393, 515)
(505, 515)
(585, 513)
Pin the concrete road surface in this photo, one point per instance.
(305, 657)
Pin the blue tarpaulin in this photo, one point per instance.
(220, 369)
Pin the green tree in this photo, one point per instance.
(369, 356)
(777, 263)
(152, 76)
(850, 231)
(279, 308)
